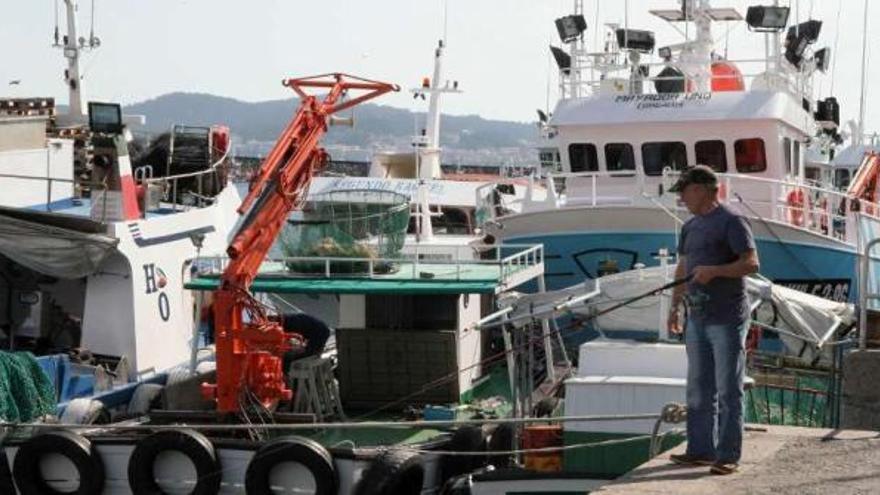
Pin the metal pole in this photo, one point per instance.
(545, 333)
(864, 297)
(864, 88)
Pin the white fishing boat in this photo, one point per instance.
(628, 122)
(95, 250)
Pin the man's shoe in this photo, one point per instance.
(724, 468)
(690, 460)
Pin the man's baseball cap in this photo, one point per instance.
(699, 174)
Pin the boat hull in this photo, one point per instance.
(577, 240)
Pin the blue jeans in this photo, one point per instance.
(716, 368)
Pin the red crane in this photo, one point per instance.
(249, 345)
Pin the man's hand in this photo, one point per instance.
(673, 323)
(704, 274)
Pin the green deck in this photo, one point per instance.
(408, 278)
(495, 385)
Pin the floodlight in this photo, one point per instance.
(798, 38)
(105, 117)
(571, 27)
(828, 111)
(823, 59)
(563, 60)
(634, 39)
(807, 30)
(767, 19)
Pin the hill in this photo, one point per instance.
(375, 124)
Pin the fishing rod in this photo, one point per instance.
(615, 307)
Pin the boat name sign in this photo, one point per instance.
(664, 100)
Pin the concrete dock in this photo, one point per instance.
(776, 460)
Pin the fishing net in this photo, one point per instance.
(26, 393)
(363, 225)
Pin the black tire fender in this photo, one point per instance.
(467, 438)
(393, 472)
(76, 448)
(501, 440)
(301, 450)
(190, 443)
(6, 483)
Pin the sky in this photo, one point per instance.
(496, 49)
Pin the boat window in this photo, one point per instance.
(796, 158)
(583, 157)
(712, 154)
(841, 178)
(786, 156)
(750, 155)
(549, 158)
(657, 156)
(619, 156)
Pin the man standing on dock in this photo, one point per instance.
(717, 250)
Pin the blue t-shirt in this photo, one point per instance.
(717, 238)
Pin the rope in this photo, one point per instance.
(536, 450)
(672, 413)
(836, 42)
(348, 425)
(778, 239)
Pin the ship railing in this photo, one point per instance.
(427, 262)
(590, 77)
(102, 205)
(492, 202)
(50, 183)
(822, 210)
(827, 212)
(173, 195)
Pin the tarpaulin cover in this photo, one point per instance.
(51, 250)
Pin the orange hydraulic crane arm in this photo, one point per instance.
(249, 349)
(864, 183)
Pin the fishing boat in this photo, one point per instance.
(379, 414)
(97, 243)
(628, 122)
(453, 196)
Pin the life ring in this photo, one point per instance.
(303, 451)
(76, 448)
(393, 472)
(190, 443)
(797, 205)
(464, 439)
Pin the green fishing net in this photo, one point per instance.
(358, 224)
(26, 393)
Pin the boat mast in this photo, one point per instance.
(577, 48)
(73, 46)
(700, 56)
